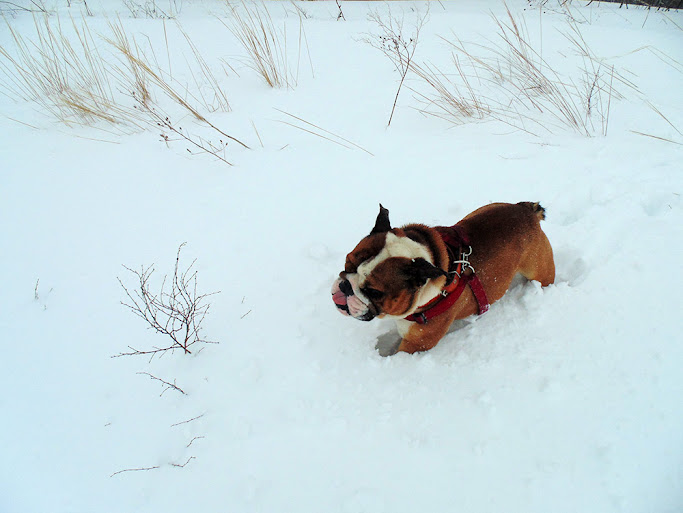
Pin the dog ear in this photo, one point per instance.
(382, 223)
(420, 270)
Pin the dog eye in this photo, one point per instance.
(373, 294)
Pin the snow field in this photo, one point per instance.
(559, 399)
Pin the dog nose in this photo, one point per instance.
(346, 288)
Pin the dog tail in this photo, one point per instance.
(536, 208)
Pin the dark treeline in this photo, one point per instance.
(658, 4)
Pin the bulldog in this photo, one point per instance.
(427, 277)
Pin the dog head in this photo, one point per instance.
(386, 274)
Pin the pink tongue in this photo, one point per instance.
(339, 298)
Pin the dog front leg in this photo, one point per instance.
(422, 337)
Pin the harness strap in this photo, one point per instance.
(479, 293)
(455, 238)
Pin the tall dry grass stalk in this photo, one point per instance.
(266, 45)
(318, 131)
(218, 99)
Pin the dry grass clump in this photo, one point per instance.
(142, 73)
(70, 81)
(510, 81)
(77, 84)
(265, 44)
(529, 93)
(448, 98)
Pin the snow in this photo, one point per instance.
(560, 399)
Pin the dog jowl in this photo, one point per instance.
(426, 277)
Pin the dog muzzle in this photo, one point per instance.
(348, 302)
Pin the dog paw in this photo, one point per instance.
(387, 344)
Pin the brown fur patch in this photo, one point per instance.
(366, 249)
(390, 278)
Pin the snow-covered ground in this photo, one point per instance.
(564, 399)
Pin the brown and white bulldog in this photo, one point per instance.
(427, 277)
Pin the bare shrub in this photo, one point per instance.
(150, 9)
(399, 48)
(176, 311)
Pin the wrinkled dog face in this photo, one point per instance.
(384, 275)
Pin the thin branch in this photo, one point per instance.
(168, 385)
(133, 470)
(183, 465)
(190, 420)
(195, 438)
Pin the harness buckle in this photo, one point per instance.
(465, 261)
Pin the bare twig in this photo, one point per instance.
(186, 421)
(183, 465)
(202, 145)
(340, 16)
(168, 385)
(133, 470)
(195, 438)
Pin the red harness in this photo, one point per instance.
(455, 239)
